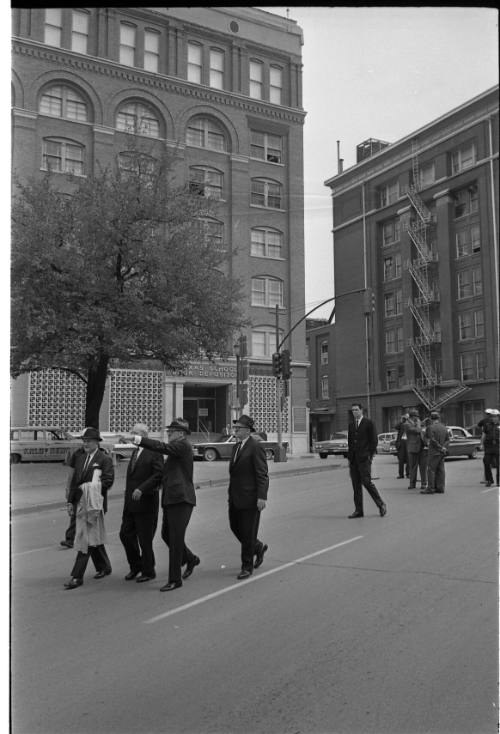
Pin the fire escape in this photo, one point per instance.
(424, 276)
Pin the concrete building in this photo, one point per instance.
(221, 86)
(415, 224)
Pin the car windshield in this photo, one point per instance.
(339, 436)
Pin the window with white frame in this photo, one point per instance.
(388, 193)
(472, 366)
(393, 303)
(138, 118)
(390, 341)
(204, 132)
(464, 285)
(63, 156)
(477, 281)
(256, 85)
(479, 324)
(266, 193)
(427, 174)
(466, 201)
(80, 31)
(194, 62)
(267, 292)
(151, 51)
(206, 181)
(127, 44)
(213, 231)
(399, 339)
(216, 78)
(266, 242)
(468, 240)
(463, 157)
(394, 377)
(59, 100)
(325, 388)
(264, 341)
(465, 326)
(53, 27)
(324, 352)
(266, 147)
(390, 231)
(275, 84)
(392, 267)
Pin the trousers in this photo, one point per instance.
(361, 476)
(436, 472)
(99, 558)
(173, 532)
(245, 526)
(136, 534)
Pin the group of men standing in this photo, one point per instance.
(167, 467)
(421, 448)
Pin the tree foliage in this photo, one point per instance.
(119, 266)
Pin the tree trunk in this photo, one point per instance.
(96, 383)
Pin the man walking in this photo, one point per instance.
(362, 445)
(437, 440)
(248, 486)
(140, 509)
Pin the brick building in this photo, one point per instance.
(415, 223)
(320, 345)
(221, 86)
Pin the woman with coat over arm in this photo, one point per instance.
(178, 499)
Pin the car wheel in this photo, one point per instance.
(269, 454)
(15, 459)
(210, 455)
(323, 456)
(474, 454)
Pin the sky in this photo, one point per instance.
(378, 72)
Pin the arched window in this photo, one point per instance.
(59, 100)
(266, 193)
(63, 156)
(206, 181)
(204, 132)
(267, 292)
(266, 242)
(139, 119)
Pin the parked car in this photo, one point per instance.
(113, 443)
(223, 447)
(335, 446)
(462, 443)
(387, 443)
(40, 443)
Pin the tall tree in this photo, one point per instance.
(123, 265)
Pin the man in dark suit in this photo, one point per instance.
(140, 509)
(248, 486)
(178, 498)
(92, 459)
(362, 445)
(401, 447)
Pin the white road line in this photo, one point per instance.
(490, 489)
(241, 584)
(52, 547)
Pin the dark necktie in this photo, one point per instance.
(133, 460)
(86, 465)
(237, 450)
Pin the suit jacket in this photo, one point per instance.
(415, 442)
(362, 440)
(248, 475)
(101, 460)
(177, 477)
(437, 438)
(145, 473)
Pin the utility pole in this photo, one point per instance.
(278, 392)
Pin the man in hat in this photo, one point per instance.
(178, 498)
(437, 440)
(140, 509)
(92, 467)
(247, 494)
(417, 456)
(490, 444)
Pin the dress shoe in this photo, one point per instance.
(260, 556)
(489, 484)
(244, 574)
(400, 476)
(142, 578)
(171, 586)
(131, 575)
(190, 567)
(66, 544)
(426, 491)
(412, 487)
(101, 574)
(383, 509)
(73, 584)
(356, 514)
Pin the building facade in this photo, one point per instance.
(221, 87)
(320, 345)
(416, 236)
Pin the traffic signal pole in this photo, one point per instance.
(278, 393)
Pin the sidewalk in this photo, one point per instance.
(37, 487)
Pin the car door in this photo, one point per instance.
(34, 444)
(459, 443)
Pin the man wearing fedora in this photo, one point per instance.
(178, 498)
(92, 462)
(140, 509)
(490, 441)
(248, 486)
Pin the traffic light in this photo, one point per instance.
(285, 364)
(368, 301)
(277, 364)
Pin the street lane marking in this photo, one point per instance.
(490, 489)
(241, 584)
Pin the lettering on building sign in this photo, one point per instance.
(220, 370)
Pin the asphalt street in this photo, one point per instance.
(374, 625)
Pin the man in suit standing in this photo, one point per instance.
(401, 446)
(178, 498)
(417, 455)
(362, 444)
(248, 486)
(140, 509)
(437, 440)
(92, 459)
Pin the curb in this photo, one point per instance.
(46, 506)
